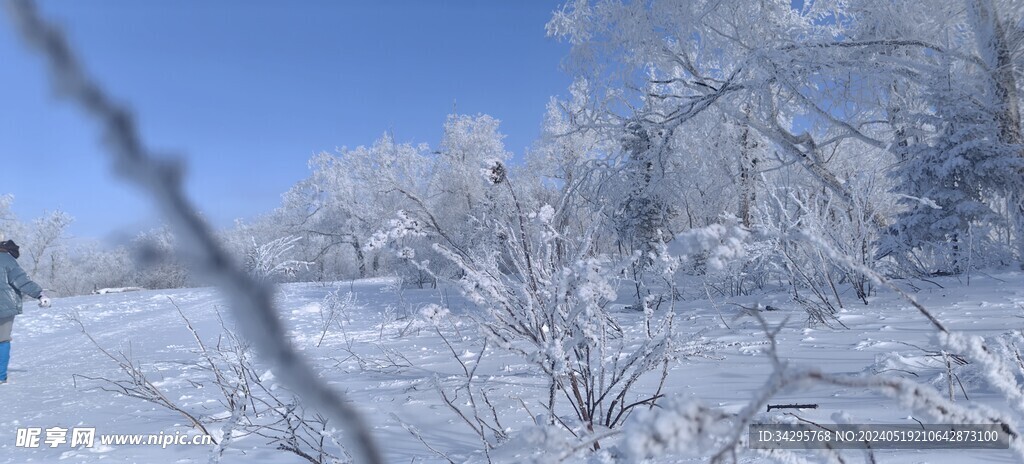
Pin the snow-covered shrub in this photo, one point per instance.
(814, 276)
(334, 311)
(544, 289)
(944, 371)
(546, 296)
(270, 260)
(743, 276)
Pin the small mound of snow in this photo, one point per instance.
(104, 291)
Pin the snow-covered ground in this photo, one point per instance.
(390, 360)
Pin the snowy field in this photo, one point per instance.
(391, 360)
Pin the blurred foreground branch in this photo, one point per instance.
(250, 301)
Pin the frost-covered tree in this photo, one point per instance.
(644, 215)
(469, 145)
(820, 83)
(951, 179)
(751, 65)
(61, 264)
(92, 266)
(545, 296)
(673, 61)
(155, 254)
(45, 246)
(571, 167)
(348, 196)
(576, 137)
(471, 158)
(954, 112)
(7, 218)
(334, 214)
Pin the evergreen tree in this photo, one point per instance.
(954, 173)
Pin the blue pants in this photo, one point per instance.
(6, 325)
(5, 357)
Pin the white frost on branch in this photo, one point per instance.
(595, 287)
(922, 200)
(681, 428)
(544, 215)
(268, 260)
(403, 225)
(434, 313)
(723, 243)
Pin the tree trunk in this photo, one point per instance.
(359, 257)
(748, 169)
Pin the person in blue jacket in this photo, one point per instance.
(18, 284)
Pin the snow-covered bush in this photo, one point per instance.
(270, 260)
(334, 311)
(546, 296)
(815, 279)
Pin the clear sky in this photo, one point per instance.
(248, 91)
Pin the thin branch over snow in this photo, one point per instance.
(251, 302)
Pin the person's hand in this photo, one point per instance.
(44, 301)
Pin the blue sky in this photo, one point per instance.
(248, 91)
